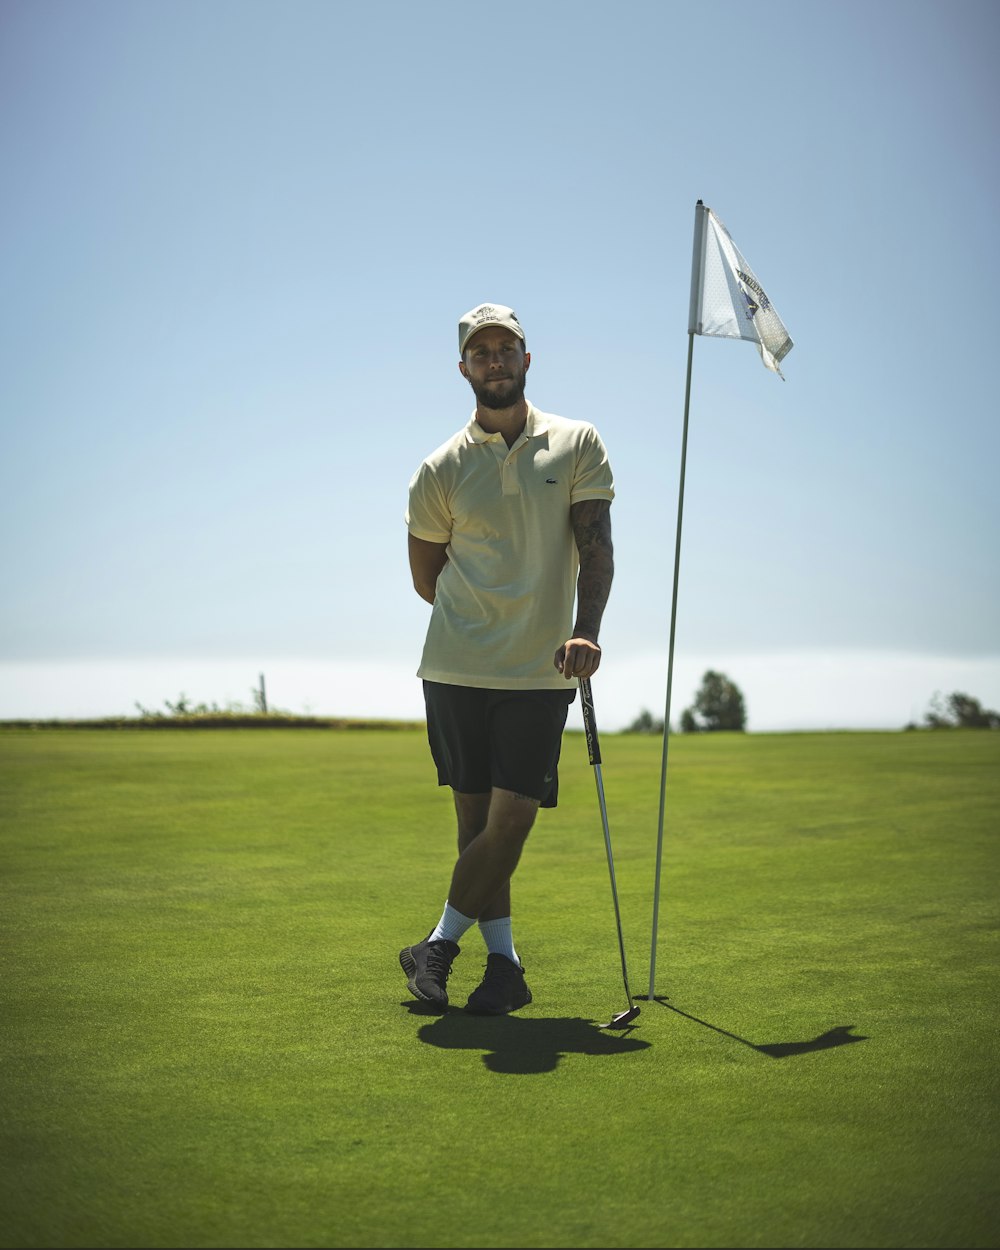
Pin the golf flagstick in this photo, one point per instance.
(594, 751)
(727, 301)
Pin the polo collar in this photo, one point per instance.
(534, 425)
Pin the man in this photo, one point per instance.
(508, 522)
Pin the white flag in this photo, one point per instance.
(727, 301)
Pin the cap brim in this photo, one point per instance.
(487, 325)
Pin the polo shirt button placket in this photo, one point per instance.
(508, 474)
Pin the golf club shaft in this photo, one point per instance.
(594, 751)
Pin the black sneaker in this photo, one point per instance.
(428, 966)
(502, 989)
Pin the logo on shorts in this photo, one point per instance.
(548, 779)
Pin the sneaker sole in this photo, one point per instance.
(409, 966)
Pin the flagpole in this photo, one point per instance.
(736, 307)
(670, 673)
(697, 273)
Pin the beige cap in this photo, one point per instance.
(487, 315)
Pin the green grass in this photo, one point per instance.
(207, 1041)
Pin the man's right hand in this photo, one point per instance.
(578, 657)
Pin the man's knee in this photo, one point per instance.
(512, 812)
(472, 811)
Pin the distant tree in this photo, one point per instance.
(960, 711)
(718, 704)
(645, 723)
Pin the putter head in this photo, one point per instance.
(622, 1019)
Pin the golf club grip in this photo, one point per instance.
(590, 721)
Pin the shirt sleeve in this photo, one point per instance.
(593, 478)
(427, 515)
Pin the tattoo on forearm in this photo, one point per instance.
(591, 522)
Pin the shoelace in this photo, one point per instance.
(438, 962)
(500, 972)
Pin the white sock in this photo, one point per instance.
(452, 925)
(498, 938)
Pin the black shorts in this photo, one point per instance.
(504, 738)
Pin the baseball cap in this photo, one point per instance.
(487, 315)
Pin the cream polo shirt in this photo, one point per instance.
(504, 600)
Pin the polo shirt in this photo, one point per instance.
(504, 601)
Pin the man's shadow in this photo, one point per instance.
(523, 1045)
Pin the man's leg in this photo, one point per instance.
(480, 883)
(495, 923)
(473, 735)
(486, 865)
(459, 741)
(503, 988)
(473, 811)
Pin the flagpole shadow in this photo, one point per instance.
(839, 1035)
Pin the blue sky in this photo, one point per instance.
(237, 239)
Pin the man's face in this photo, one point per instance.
(494, 364)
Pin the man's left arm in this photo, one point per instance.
(580, 656)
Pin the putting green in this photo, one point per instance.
(207, 1039)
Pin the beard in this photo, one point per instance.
(504, 393)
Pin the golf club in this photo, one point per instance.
(594, 750)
